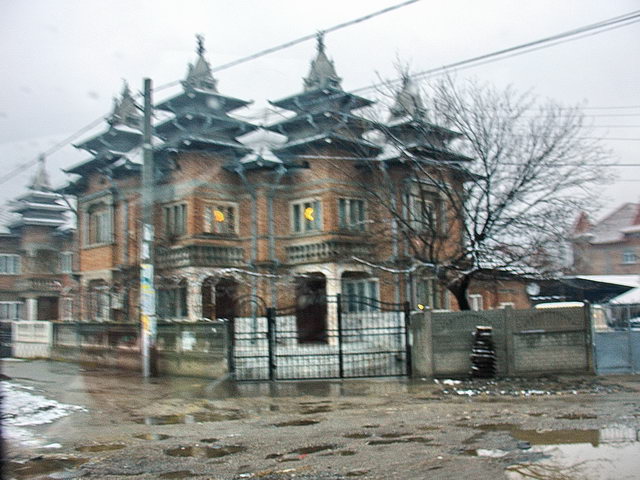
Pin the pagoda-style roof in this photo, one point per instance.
(195, 99)
(203, 123)
(318, 100)
(124, 131)
(318, 120)
(200, 120)
(39, 206)
(325, 139)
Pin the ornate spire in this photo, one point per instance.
(322, 73)
(41, 178)
(199, 75)
(126, 110)
(408, 101)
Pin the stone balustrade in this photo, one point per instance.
(326, 251)
(199, 256)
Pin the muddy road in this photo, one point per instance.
(112, 425)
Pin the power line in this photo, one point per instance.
(580, 32)
(296, 41)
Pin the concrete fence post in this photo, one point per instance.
(509, 321)
(421, 344)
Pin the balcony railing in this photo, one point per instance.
(38, 285)
(326, 251)
(199, 256)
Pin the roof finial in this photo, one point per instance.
(41, 178)
(200, 40)
(320, 38)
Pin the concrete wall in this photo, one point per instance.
(31, 339)
(188, 349)
(527, 342)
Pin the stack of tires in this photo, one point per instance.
(483, 354)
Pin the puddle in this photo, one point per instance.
(357, 473)
(608, 453)
(393, 435)
(312, 449)
(357, 435)
(100, 448)
(318, 409)
(272, 456)
(42, 466)
(577, 416)
(296, 423)
(209, 440)
(205, 452)
(400, 440)
(373, 425)
(178, 474)
(152, 436)
(203, 417)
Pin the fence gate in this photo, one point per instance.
(340, 337)
(617, 351)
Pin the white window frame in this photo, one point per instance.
(629, 257)
(504, 305)
(352, 213)
(355, 288)
(66, 262)
(172, 302)
(11, 310)
(10, 264)
(225, 227)
(299, 224)
(476, 302)
(175, 219)
(98, 224)
(417, 216)
(434, 300)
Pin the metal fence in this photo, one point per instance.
(342, 337)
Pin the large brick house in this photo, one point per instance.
(286, 212)
(36, 256)
(610, 246)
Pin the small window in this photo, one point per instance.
(221, 218)
(428, 294)
(66, 262)
(360, 295)
(629, 257)
(507, 305)
(175, 219)
(10, 310)
(172, 302)
(351, 214)
(99, 224)
(306, 216)
(9, 264)
(476, 302)
(425, 211)
(67, 309)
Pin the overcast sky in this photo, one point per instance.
(63, 61)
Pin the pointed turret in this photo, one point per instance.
(120, 141)
(409, 131)
(322, 73)
(40, 206)
(324, 115)
(201, 119)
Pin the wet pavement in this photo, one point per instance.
(107, 424)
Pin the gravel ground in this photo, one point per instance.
(371, 429)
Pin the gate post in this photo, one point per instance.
(271, 334)
(407, 337)
(340, 359)
(230, 340)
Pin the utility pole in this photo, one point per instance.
(147, 288)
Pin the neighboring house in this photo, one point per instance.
(283, 212)
(498, 289)
(610, 246)
(36, 256)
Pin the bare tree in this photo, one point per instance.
(484, 179)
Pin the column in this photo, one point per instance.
(32, 309)
(333, 288)
(194, 300)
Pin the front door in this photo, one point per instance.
(311, 309)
